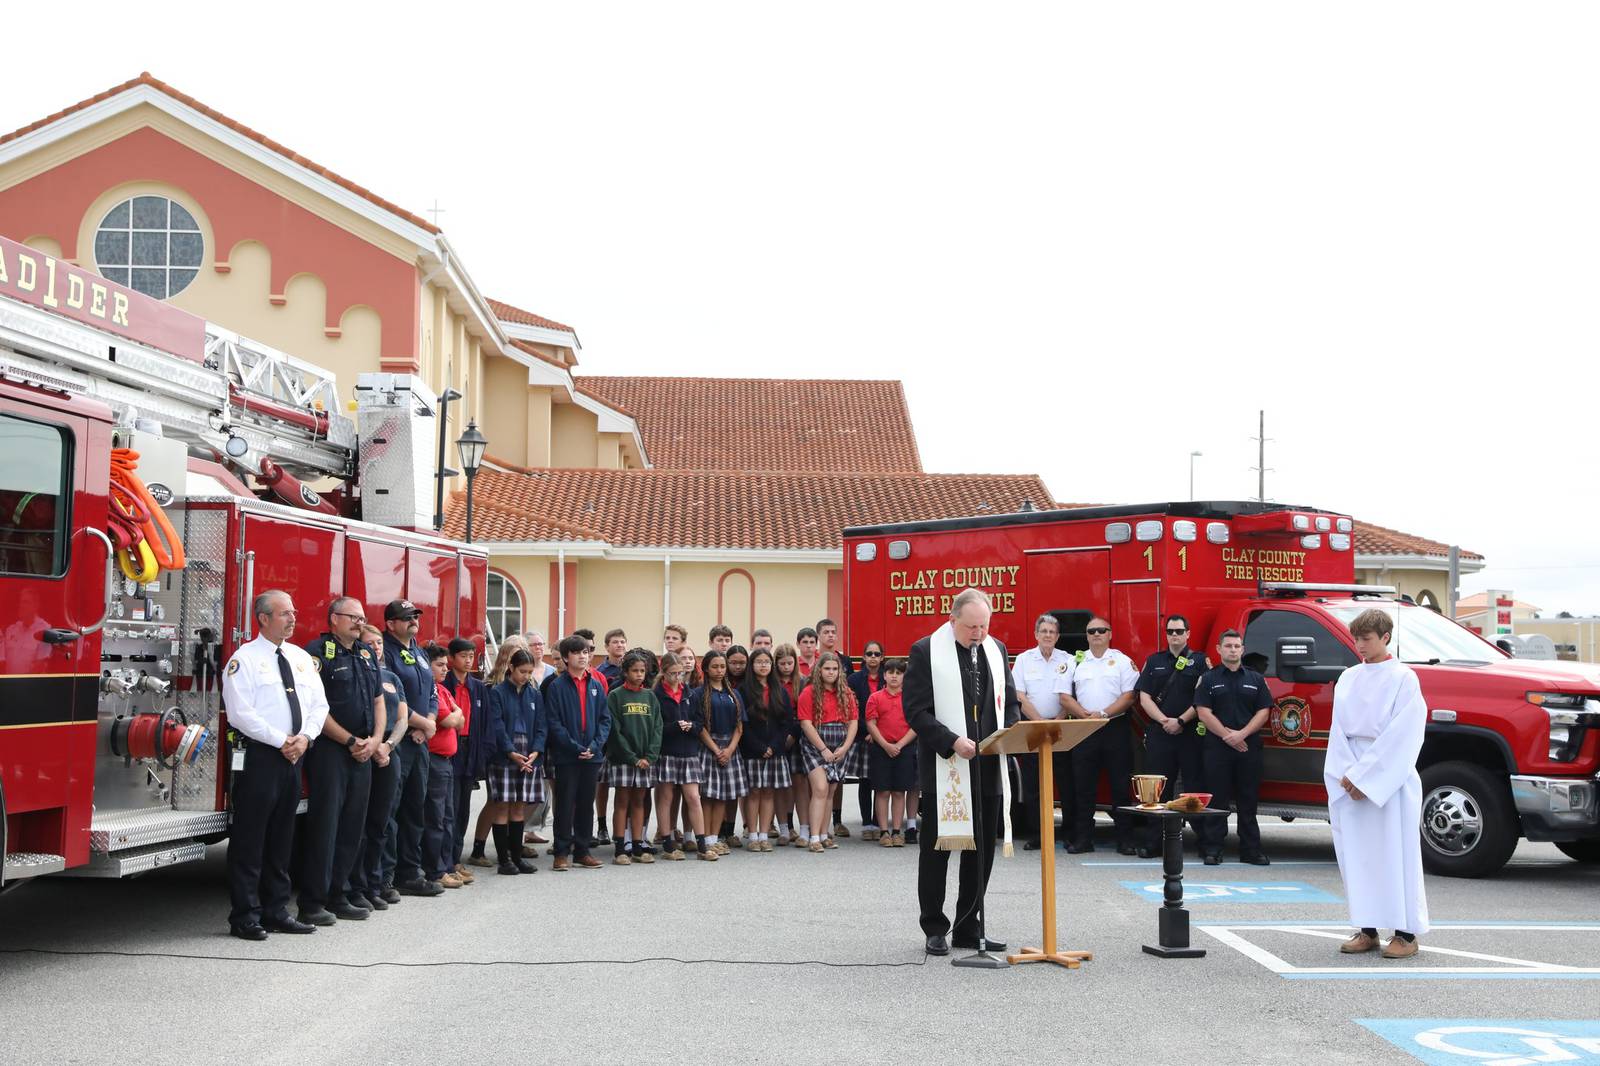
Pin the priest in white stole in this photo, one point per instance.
(1374, 793)
(958, 690)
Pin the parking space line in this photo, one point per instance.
(1513, 968)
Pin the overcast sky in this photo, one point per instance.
(1090, 239)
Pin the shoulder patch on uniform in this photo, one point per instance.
(1062, 668)
(318, 664)
(329, 650)
(233, 666)
(366, 654)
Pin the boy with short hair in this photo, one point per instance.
(611, 669)
(673, 638)
(439, 816)
(761, 638)
(721, 638)
(806, 643)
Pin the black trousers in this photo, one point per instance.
(574, 803)
(402, 839)
(366, 877)
(1232, 777)
(461, 808)
(1028, 770)
(336, 814)
(972, 872)
(1174, 756)
(439, 818)
(265, 795)
(1108, 749)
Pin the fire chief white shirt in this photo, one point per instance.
(1040, 678)
(1096, 683)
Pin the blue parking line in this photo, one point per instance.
(1396, 975)
(1189, 868)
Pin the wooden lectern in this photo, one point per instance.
(1042, 738)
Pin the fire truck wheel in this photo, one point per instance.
(1582, 850)
(1469, 827)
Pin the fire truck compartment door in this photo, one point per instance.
(1072, 584)
(304, 559)
(431, 584)
(1136, 618)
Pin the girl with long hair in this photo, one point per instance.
(680, 770)
(721, 725)
(796, 796)
(766, 728)
(827, 713)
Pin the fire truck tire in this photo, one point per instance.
(1582, 850)
(1469, 826)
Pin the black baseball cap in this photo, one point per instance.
(401, 609)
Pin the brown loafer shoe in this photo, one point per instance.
(1399, 949)
(899, 839)
(706, 854)
(828, 843)
(588, 862)
(886, 840)
(480, 860)
(562, 864)
(621, 860)
(839, 830)
(463, 874)
(451, 881)
(1358, 944)
(815, 845)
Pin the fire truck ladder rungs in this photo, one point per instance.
(282, 408)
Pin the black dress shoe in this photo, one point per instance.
(1032, 845)
(911, 836)
(938, 945)
(1079, 849)
(389, 895)
(1125, 849)
(1149, 853)
(247, 932)
(349, 912)
(421, 887)
(1257, 859)
(286, 924)
(320, 916)
(971, 944)
(375, 901)
(1213, 860)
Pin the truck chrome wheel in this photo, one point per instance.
(1452, 821)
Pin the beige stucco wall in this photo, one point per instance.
(505, 410)
(573, 433)
(540, 425)
(1413, 583)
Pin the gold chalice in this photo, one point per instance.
(1148, 788)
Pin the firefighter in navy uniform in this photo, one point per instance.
(339, 767)
(1173, 734)
(402, 844)
(273, 698)
(1233, 702)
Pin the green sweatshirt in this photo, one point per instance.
(635, 726)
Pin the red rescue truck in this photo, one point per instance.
(1513, 746)
(131, 546)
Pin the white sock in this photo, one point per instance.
(712, 839)
(816, 839)
(805, 831)
(627, 836)
(911, 823)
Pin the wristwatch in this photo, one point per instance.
(351, 742)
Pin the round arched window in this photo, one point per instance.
(151, 244)
(504, 607)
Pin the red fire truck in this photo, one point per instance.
(1513, 747)
(131, 546)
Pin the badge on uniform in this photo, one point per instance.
(328, 649)
(318, 664)
(1061, 669)
(407, 658)
(1182, 662)
(365, 654)
(233, 667)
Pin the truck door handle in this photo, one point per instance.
(59, 636)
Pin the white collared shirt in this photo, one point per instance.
(1097, 683)
(254, 698)
(1040, 679)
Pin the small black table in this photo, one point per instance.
(1173, 921)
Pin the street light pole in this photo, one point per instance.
(442, 472)
(471, 446)
(1192, 457)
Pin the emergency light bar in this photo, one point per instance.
(1311, 586)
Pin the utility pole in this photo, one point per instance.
(1261, 466)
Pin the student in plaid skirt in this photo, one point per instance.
(796, 798)
(513, 774)
(631, 753)
(721, 725)
(680, 770)
(766, 728)
(827, 713)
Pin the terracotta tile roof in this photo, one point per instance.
(724, 509)
(506, 313)
(1377, 540)
(266, 142)
(524, 346)
(767, 423)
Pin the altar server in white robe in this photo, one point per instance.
(1374, 793)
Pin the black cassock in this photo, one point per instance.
(934, 740)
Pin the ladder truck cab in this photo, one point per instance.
(1513, 746)
(156, 472)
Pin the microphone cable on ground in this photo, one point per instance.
(481, 963)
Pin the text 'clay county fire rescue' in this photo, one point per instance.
(944, 584)
(1251, 564)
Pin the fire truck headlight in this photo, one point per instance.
(1118, 533)
(1184, 530)
(866, 552)
(1150, 530)
(237, 446)
(1324, 523)
(1339, 542)
(1311, 540)
(899, 549)
(1571, 716)
(1344, 525)
(1301, 523)
(1217, 532)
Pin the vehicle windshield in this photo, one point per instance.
(1422, 636)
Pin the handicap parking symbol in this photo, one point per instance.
(1491, 1042)
(1235, 892)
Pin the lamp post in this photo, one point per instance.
(471, 445)
(1192, 457)
(443, 471)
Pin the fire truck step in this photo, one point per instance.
(119, 830)
(139, 860)
(20, 864)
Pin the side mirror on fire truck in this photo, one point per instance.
(1297, 662)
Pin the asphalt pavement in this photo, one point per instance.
(796, 957)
